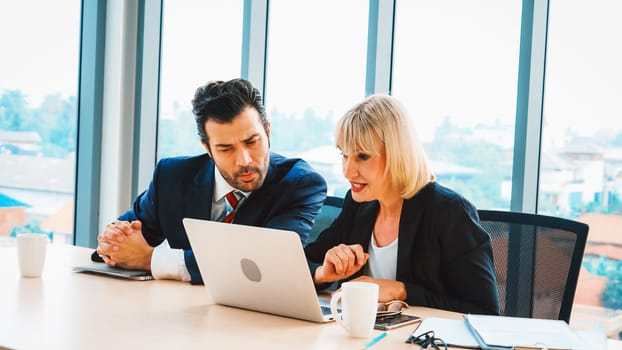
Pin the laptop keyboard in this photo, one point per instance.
(326, 310)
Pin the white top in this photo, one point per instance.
(169, 263)
(382, 261)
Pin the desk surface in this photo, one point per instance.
(68, 310)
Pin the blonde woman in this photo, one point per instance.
(419, 241)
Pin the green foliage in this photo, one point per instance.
(612, 294)
(55, 120)
(291, 134)
(31, 227)
(603, 266)
(178, 137)
(484, 188)
(14, 114)
(615, 204)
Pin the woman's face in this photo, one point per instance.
(365, 172)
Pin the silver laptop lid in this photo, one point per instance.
(254, 268)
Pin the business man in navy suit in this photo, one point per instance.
(238, 180)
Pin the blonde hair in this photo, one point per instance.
(384, 116)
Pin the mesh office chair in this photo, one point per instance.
(329, 212)
(537, 260)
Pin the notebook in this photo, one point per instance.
(103, 269)
(503, 333)
(255, 268)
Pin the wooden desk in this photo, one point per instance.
(68, 310)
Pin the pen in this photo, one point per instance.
(375, 340)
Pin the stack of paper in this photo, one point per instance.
(502, 333)
(453, 332)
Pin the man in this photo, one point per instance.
(269, 189)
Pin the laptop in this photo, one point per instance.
(256, 268)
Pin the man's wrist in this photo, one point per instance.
(148, 257)
(167, 263)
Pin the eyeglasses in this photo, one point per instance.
(426, 340)
(391, 308)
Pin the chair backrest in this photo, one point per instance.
(329, 212)
(537, 260)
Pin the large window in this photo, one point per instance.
(201, 41)
(581, 162)
(455, 68)
(38, 118)
(454, 65)
(315, 73)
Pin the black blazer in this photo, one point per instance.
(290, 197)
(444, 256)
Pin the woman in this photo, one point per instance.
(419, 241)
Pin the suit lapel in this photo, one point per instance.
(362, 227)
(409, 223)
(410, 219)
(198, 197)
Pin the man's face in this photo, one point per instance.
(240, 149)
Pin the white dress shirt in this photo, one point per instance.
(169, 263)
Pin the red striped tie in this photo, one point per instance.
(232, 199)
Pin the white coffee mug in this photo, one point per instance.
(31, 249)
(359, 303)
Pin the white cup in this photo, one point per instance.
(359, 303)
(31, 249)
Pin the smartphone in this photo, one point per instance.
(391, 322)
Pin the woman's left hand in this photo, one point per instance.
(388, 289)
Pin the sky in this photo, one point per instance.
(452, 58)
(40, 41)
(198, 45)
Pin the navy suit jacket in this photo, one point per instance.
(444, 256)
(291, 196)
